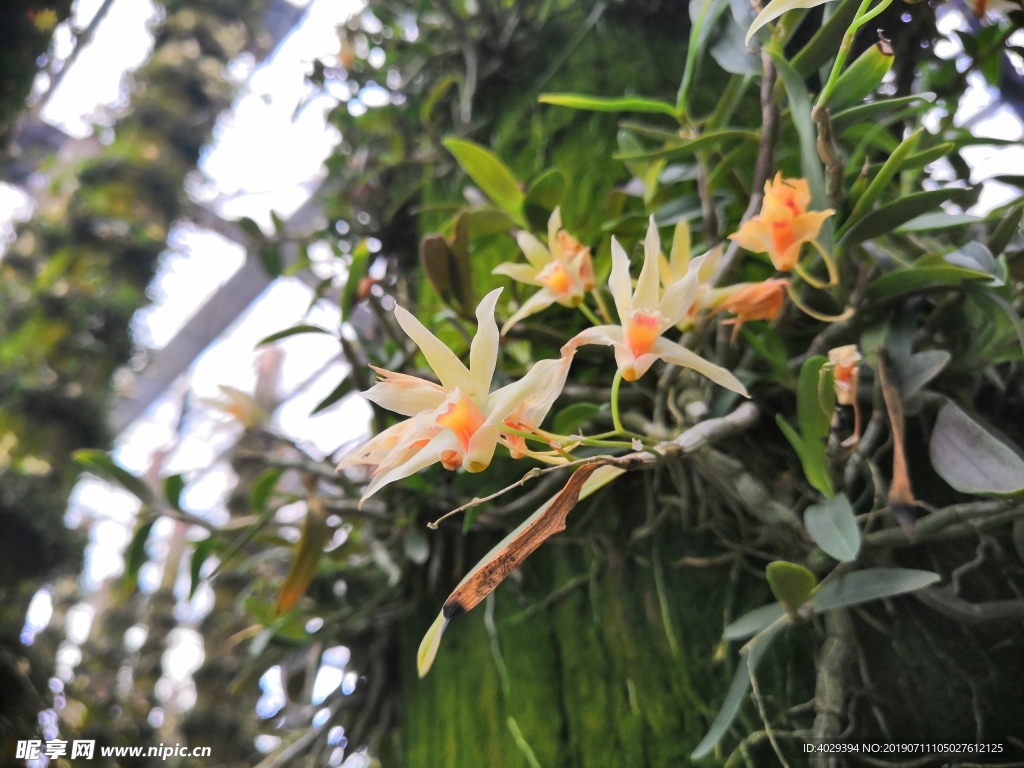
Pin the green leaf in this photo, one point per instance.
(344, 387)
(272, 260)
(570, 418)
(862, 77)
(894, 214)
(832, 525)
(1008, 226)
(866, 113)
(732, 54)
(173, 486)
(356, 273)
(754, 622)
(812, 457)
(930, 222)
(800, 110)
(737, 695)
(701, 26)
(200, 554)
(686, 148)
(135, 555)
(491, 175)
(305, 559)
(264, 487)
(251, 228)
(791, 584)
(881, 181)
(970, 458)
(102, 465)
(776, 8)
(294, 331)
(813, 416)
(600, 104)
(917, 279)
(868, 585)
(823, 46)
(920, 368)
(429, 645)
(544, 195)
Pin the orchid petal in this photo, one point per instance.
(533, 249)
(676, 354)
(541, 300)
(427, 455)
(679, 256)
(536, 391)
(445, 363)
(599, 334)
(709, 264)
(483, 352)
(679, 297)
(619, 282)
(404, 394)
(481, 448)
(646, 294)
(521, 273)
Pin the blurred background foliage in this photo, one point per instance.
(605, 648)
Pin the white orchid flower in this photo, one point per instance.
(563, 270)
(457, 422)
(646, 313)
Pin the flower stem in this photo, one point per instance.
(830, 265)
(616, 421)
(601, 307)
(587, 313)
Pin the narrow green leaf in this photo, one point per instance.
(862, 77)
(917, 279)
(544, 195)
(250, 227)
(791, 584)
(1007, 227)
(814, 421)
(701, 26)
(356, 273)
(687, 148)
(931, 222)
(294, 331)
(343, 388)
(272, 260)
(491, 175)
(429, 644)
(135, 555)
(737, 695)
(776, 8)
(600, 104)
(866, 113)
(832, 525)
(200, 554)
(570, 418)
(881, 181)
(263, 488)
(173, 486)
(825, 42)
(101, 464)
(800, 110)
(970, 458)
(892, 215)
(868, 585)
(753, 622)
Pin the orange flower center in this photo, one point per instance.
(641, 332)
(555, 277)
(782, 235)
(464, 419)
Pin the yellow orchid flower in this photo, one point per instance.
(646, 313)
(675, 267)
(563, 270)
(784, 224)
(459, 421)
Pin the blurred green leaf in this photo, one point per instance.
(916, 279)
(776, 8)
(356, 273)
(860, 79)
(866, 113)
(920, 368)
(600, 104)
(754, 622)
(970, 458)
(737, 695)
(570, 418)
(832, 525)
(344, 387)
(711, 139)
(544, 195)
(791, 584)
(263, 488)
(894, 214)
(931, 222)
(173, 486)
(294, 331)
(848, 589)
(491, 175)
(135, 555)
(200, 554)
(102, 465)
(305, 559)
